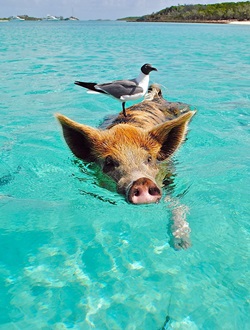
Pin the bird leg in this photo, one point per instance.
(123, 109)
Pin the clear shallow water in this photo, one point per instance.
(75, 255)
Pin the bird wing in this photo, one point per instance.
(90, 86)
(120, 88)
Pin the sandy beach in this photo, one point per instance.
(240, 22)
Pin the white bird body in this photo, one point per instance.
(123, 90)
(143, 81)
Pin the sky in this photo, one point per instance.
(91, 9)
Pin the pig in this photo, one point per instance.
(134, 151)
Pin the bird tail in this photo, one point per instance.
(90, 86)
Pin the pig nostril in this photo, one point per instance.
(136, 192)
(154, 191)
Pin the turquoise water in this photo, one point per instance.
(74, 255)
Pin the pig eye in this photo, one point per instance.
(109, 164)
(149, 159)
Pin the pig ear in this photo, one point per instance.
(81, 139)
(171, 134)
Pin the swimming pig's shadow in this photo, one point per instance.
(177, 228)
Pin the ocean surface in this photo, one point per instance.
(75, 255)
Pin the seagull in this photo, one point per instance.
(123, 90)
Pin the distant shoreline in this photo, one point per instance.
(240, 22)
(131, 21)
(21, 18)
(218, 13)
(194, 22)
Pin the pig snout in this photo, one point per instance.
(144, 191)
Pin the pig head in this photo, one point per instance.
(129, 154)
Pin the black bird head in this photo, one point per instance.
(147, 68)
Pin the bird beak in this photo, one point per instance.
(153, 69)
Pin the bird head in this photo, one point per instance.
(147, 68)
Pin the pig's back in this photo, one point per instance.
(147, 114)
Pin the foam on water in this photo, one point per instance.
(76, 255)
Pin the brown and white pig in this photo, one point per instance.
(130, 149)
(133, 150)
